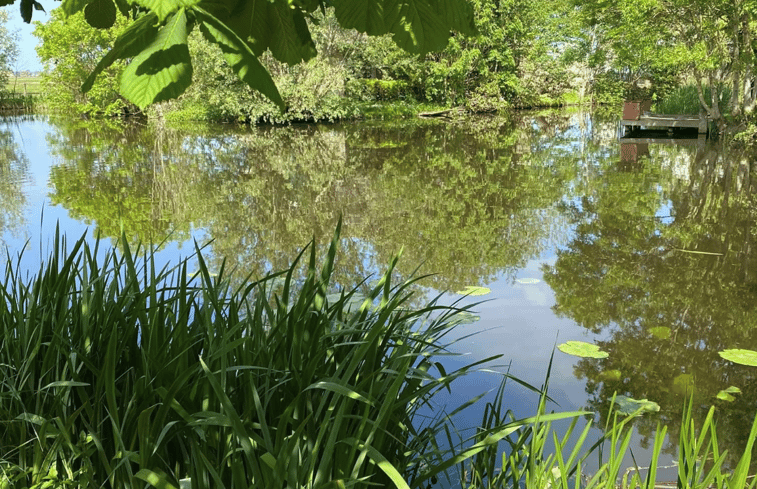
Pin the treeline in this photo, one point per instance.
(527, 53)
(519, 59)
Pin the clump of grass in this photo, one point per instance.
(526, 462)
(115, 373)
(685, 100)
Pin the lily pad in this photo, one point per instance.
(726, 394)
(610, 375)
(683, 384)
(660, 332)
(582, 349)
(629, 405)
(527, 281)
(742, 357)
(474, 290)
(464, 317)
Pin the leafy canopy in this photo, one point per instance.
(160, 67)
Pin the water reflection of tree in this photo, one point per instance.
(14, 171)
(653, 252)
(458, 197)
(125, 178)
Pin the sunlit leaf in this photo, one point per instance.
(418, 26)
(164, 8)
(628, 405)
(273, 25)
(464, 317)
(239, 56)
(527, 281)
(154, 479)
(683, 384)
(135, 39)
(582, 349)
(611, 375)
(726, 394)
(162, 71)
(474, 290)
(742, 357)
(660, 332)
(70, 7)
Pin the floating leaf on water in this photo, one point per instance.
(582, 349)
(629, 405)
(527, 281)
(611, 375)
(464, 317)
(742, 357)
(474, 290)
(660, 332)
(683, 384)
(726, 394)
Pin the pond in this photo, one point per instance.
(644, 248)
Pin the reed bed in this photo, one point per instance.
(117, 373)
(114, 373)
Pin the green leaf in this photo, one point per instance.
(344, 390)
(527, 281)
(273, 25)
(164, 8)
(725, 396)
(154, 479)
(628, 405)
(135, 39)
(611, 375)
(418, 26)
(458, 15)
(100, 14)
(420, 29)
(162, 71)
(742, 357)
(464, 317)
(660, 332)
(582, 349)
(474, 290)
(64, 383)
(239, 56)
(379, 459)
(70, 7)
(683, 384)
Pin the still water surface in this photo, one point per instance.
(645, 249)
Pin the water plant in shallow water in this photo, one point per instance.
(117, 373)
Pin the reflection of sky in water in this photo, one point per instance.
(516, 318)
(41, 217)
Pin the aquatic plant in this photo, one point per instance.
(116, 373)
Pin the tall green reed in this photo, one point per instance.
(529, 461)
(117, 373)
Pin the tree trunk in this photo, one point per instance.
(737, 72)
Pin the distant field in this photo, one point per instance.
(31, 84)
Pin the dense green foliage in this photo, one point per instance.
(517, 58)
(8, 51)
(707, 42)
(69, 49)
(159, 63)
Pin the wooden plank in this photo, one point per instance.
(668, 121)
(700, 141)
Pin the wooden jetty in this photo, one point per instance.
(669, 121)
(636, 115)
